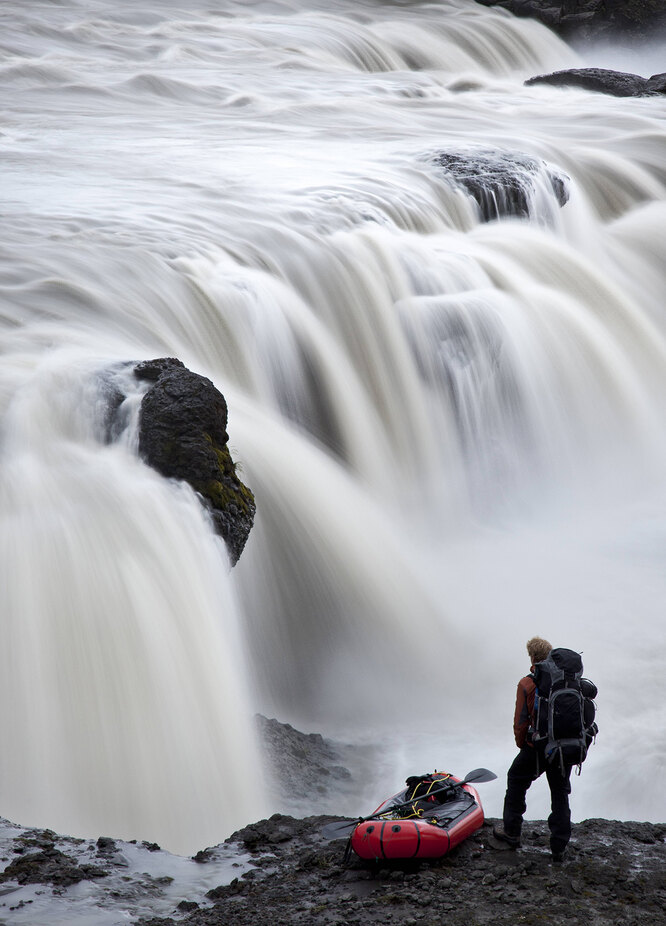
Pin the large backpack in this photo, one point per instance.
(564, 709)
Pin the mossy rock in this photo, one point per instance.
(183, 435)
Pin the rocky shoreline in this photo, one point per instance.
(616, 873)
(281, 871)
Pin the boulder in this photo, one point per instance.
(182, 434)
(501, 183)
(601, 80)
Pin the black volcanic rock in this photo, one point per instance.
(502, 183)
(615, 873)
(306, 772)
(182, 434)
(50, 866)
(601, 80)
(290, 875)
(635, 19)
(657, 83)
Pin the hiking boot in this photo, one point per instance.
(558, 857)
(512, 841)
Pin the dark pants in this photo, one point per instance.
(526, 768)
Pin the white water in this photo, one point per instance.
(454, 430)
(140, 882)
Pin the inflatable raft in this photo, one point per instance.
(438, 819)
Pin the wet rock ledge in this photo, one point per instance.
(281, 872)
(616, 874)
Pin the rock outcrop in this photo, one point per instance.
(304, 766)
(502, 183)
(305, 771)
(601, 80)
(182, 434)
(591, 18)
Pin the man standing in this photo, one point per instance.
(529, 764)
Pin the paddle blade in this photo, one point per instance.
(339, 830)
(478, 775)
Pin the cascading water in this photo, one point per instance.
(122, 675)
(453, 427)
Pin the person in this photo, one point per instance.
(529, 764)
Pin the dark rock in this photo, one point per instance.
(602, 80)
(307, 771)
(545, 11)
(501, 183)
(35, 839)
(226, 890)
(106, 845)
(49, 866)
(203, 856)
(265, 833)
(635, 19)
(182, 434)
(657, 83)
(150, 846)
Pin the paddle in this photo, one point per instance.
(343, 827)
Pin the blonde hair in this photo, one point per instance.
(538, 649)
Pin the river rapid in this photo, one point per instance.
(454, 428)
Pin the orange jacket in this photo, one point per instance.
(524, 714)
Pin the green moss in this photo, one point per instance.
(228, 490)
(223, 496)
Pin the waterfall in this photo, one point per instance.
(449, 405)
(122, 683)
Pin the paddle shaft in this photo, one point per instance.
(448, 787)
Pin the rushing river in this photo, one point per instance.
(454, 428)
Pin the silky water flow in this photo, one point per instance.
(454, 428)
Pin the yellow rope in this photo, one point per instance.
(435, 781)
